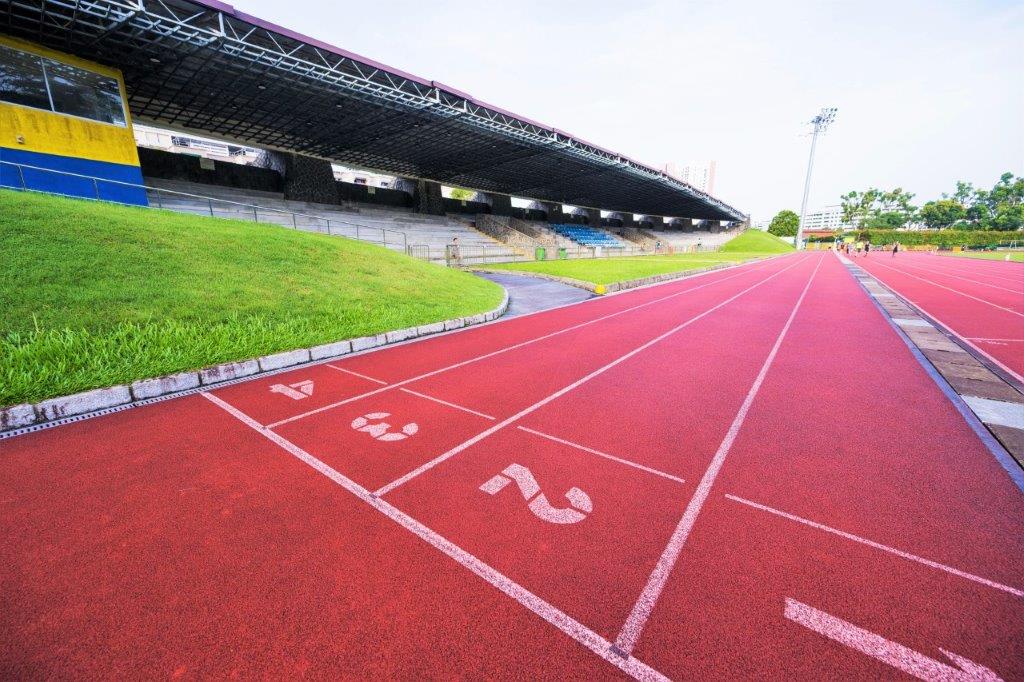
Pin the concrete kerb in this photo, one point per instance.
(54, 409)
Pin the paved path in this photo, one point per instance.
(531, 294)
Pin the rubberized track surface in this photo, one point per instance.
(981, 301)
(743, 474)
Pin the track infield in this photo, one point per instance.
(745, 474)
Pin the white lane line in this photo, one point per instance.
(965, 339)
(559, 393)
(513, 346)
(357, 374)
(445, 402)
(579, 632)
(955, 291)
(592, 451)
(986, 271)
(634, 625)
(885, 548)
(981, 338)
(966, 279)
(889, 652)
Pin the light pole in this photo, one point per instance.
(821, 123)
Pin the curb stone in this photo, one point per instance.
(80, 403)
(227, 371)
(53, 409)
(172, 383)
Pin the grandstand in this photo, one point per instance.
(400, 229)
(588, 236)
(205, 68)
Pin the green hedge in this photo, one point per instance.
(940, 238)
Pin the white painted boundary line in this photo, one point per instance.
(965, 339)
(357, 374)
(955, 291)
(981, 338)
(592, 451)
(968, 265)
(885, 548)
(445, 402)
(427, 466)
(966, 279)
(630, 633)
(512, 347)
(576, 630)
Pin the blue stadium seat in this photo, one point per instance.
(587, 236)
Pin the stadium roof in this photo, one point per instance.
(201, 65)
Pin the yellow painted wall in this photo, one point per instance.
(51, 133)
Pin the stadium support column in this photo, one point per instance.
(652, 222)
(501, 204)
(593, 217)
(552, 211)
(307, 178)
(427, 198)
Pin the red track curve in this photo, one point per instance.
(774, 487)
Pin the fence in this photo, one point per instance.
(46, 180)
(482, 255)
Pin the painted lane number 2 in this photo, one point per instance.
(579, 502)
(374, 425)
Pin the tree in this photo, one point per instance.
(1005, 204)
(462, 194)
(942, 213)
(784, 224)
(878, 208)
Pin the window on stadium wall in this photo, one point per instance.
(41, 83)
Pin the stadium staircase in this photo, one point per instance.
(691, 241)
(427, 236)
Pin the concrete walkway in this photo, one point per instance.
(529, 294)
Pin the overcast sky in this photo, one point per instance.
(928, 92)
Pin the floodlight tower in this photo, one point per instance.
(821, 123)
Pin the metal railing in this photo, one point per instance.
(103, 189)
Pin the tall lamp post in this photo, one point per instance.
(821, 122)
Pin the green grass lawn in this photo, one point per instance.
(96, 294)
(1015, 256)
(756, 241)
(750, 244)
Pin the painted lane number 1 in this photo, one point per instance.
(579, 502)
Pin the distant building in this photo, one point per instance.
(828, 218)
(701, 177)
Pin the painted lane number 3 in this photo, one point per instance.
(374, 425)
(579, 502)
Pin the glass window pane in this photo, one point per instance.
(21, 79)
(83, 93)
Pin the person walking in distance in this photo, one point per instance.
(454, 252)
(895, 248)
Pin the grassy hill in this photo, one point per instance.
(756, 241)
(96, 294)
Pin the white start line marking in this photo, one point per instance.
(374, 425)
(296, 391)
(890, 653)
(579, 502)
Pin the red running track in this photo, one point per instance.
(981, 301)
(679, 481)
